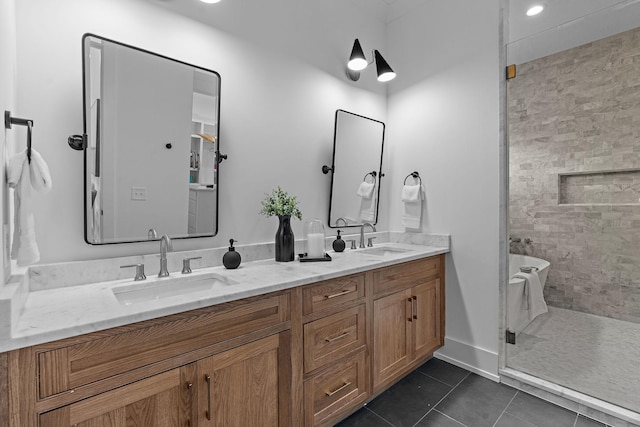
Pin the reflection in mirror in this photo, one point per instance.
(151, 126)
(357, 169)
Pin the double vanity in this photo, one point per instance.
(269, 344)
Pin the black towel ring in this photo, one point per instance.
(415, 175)
(373, 174)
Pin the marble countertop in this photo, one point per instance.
(49, 314)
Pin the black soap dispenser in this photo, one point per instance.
(338, 244)
(232, 258)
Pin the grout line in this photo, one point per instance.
(443, 397)
(440, 381)
(452, 419)
(575, 422)
(505, 408)
(379, 416)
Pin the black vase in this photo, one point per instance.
(284, 240)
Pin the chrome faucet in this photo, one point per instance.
(373, 228)
(343, 220)
(152, 234)
(165, 245)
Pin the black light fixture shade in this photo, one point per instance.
(357, 60)
(385, 72)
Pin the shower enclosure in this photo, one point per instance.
(573, 132)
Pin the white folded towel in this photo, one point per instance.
(96, 209)
(365, 190)
(368, 206)
(22, 176)
(411, 206)
(533, 293)
(411, 193)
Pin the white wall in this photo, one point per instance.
(278, 98)
(443, 121)
(7, 102)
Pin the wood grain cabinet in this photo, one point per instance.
(308, 356)
(166, 399)
(242, 387)
(335, 349)
(407, 323)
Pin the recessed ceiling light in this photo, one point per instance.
(210, 1)
(534, 10)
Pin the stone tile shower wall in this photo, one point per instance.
(574, 147)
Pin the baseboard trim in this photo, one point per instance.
(473, 359)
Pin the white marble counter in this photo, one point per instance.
(44, 314)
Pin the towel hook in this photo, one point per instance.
(373, 174)
(415, 175)
(9, 121)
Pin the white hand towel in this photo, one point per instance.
(411, 206)
(368, 207)
(24, 248)
(39, 171)
(533, 294)
(411, 193)
(96, 209)
(365, 190)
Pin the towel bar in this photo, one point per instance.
(9, 121)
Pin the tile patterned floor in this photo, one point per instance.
(591, 354)
(439, 394)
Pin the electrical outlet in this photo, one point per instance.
(138, 193)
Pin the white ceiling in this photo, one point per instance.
(388, 10)
(565, 24)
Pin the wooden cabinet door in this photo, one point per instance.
(392, 341)
(163, 400)
(240, 387)
(426, 318)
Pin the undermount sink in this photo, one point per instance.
(383, 251)
(166, 287)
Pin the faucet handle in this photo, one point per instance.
(186, 264)
(139, 271)
(353, 243)
(370, 241)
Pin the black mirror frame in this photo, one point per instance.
(333, 162)
(218, 156)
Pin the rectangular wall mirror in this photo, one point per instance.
(151, 154)
(356, 171)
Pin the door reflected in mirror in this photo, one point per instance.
(357, 169)
(151, 157)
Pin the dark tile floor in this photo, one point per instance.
(439, 394)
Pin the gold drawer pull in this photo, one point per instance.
(207, 413)
(339, 389)
(339, 294)
(339, 337)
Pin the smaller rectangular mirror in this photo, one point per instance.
(152, 152)
(356, 171)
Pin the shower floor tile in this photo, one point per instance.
(591, 354)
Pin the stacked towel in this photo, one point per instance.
(22, 176)
(412, 206)
(533, 294)
(365, 190)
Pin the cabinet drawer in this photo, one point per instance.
(332, 293)
(128, 348)
(403, 276)
(331, 337)
(337, 389)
